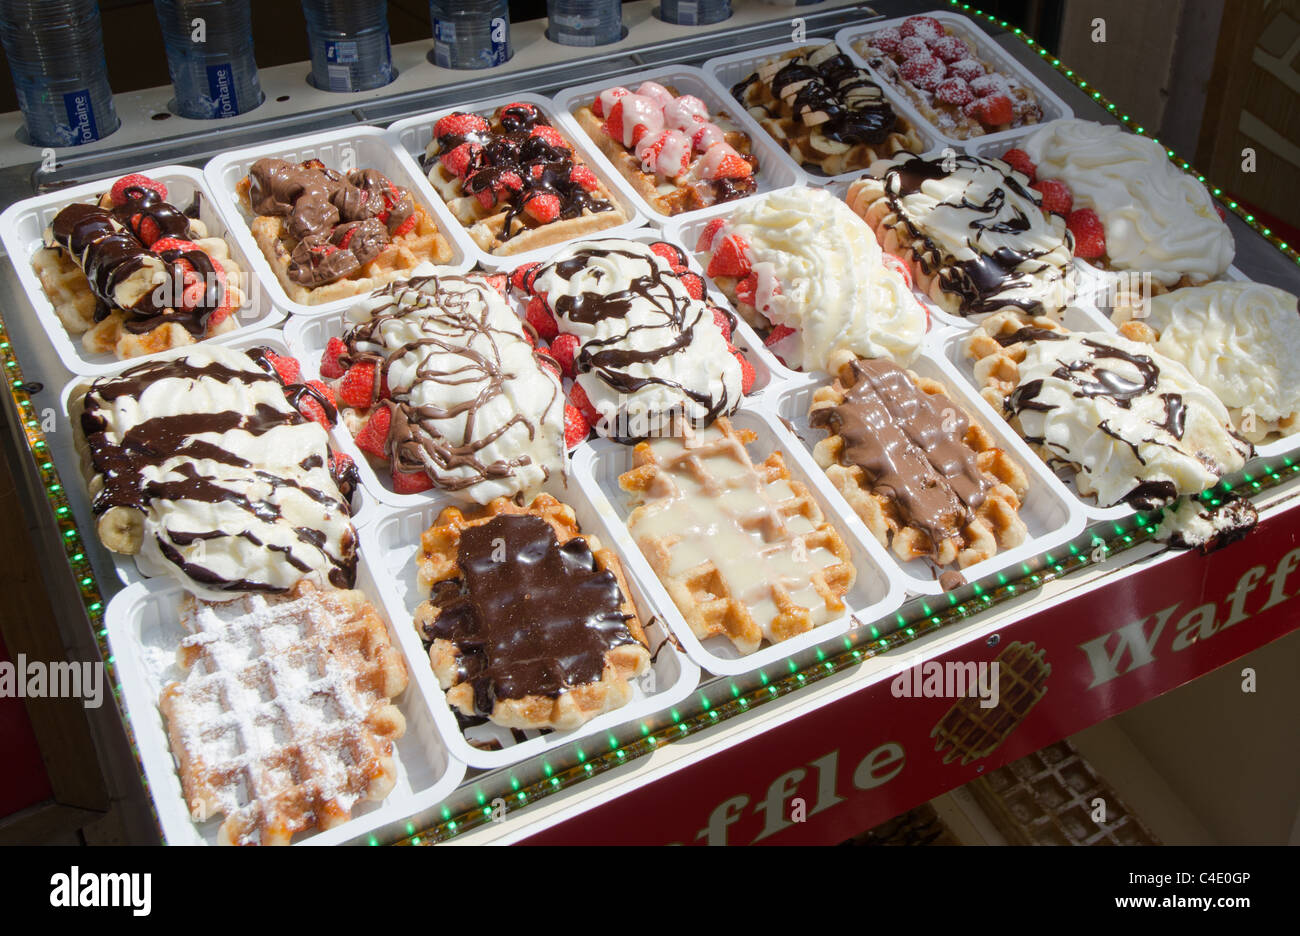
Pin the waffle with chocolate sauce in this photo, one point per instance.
(972, 230)
(827, 113)
(329, 235)
(926, 479)
(529, 622)
(515, 182)
(130, 307)
(743, 549)
(283, 721)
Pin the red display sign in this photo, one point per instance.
(869, 756)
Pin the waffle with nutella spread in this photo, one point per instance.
(926, 479)
(204, 468)
(515, 182)
(328, 235)
(529, 621)
(133, 274)
(973, 231)
(1132, 425)
(437, 379)
(743, 549)
(283, 721)
(827, 113)
(677, 156)
(960, 93)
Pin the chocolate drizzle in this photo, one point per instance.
(529, 616)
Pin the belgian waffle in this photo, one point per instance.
(1047, 798)
(743, 549)
(938, 486)
(971, 732)
(530, 622)
(283, 721)
(997, 370)
(801, 123)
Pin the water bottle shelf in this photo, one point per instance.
(151, 133)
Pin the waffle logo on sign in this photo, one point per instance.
(103, 889)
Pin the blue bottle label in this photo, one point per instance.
(81, 116)
(221, 90)
(341, 52)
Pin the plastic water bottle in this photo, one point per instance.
(584, 22)
(349, 44)
(210, 56)
(694, 12)
(470, 33)
(56, 53)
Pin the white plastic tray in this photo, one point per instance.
(358, 147)
(143, 632)
(413, 134)
(272, 338)
(878, 590)
(1052, 515)
(725, 71)
(990, 52)
(22, 230)
(307, 338)
(392, 542)
(775, 168)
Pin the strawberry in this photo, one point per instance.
(578, 397)
(406, 227)
(164, 244)
(778, 333)
(924, 71)
(729, 258)
(614, 127)
(1019, 160)
(746, 371)
(145, 228)
(598, 105)
(949, 48)
(410, 482)
(676, 259)
(927, 27)
(543, 207)
(995, 110)
(705, 243)
(967, 69)
(459, 124)
(583, 176)
(551, 136)
(1089, 235)
(311, 407)
(458, 158)
(886, 40)
(373, 437)
(330, 367)
(357, 387)
(694, 285)
(899, 267)
(523, 276)
(193, 294)
(286, 368)
(732, 166)
(487, 197)
(547, 360)
(722, 321)
(340, 463)
(565, 349)
(1057, 197)
(576, 426)
(745, 290)
(539, 316)
(121, 189)
(954, 91)
(220, 313)
(498, 281)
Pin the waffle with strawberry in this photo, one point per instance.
(440, 385)
(676, 154)
(133, 274)
(329, 235)
(515, 182)
(959, 93)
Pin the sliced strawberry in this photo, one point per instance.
(458, 158)
(1019, 160)
(330, 368)
(694, 285)
(286, 368)
(145, 228)
(746, 288)
(543, 207)
(576, 426)
(729, 258)
(498, 281)
(778, 333)
(487, 198)
(523, 276)
(410, 482)
(121, 188)
(406, 227)
(357, 387)
(310, 407)
(732, 166)
(578, 397)
(723, 322)
(459, 124)
(539, 316)
(995, 110)
(673, 254)
(340, 462)
(612, 94)
(898, 266)
(746, 371)
(564, 349)
(164, 244)
(1057, 197)
(583, 176)
(705, 243)
(373, 437)
(1089, 234)
(551, 136)
(547, 360)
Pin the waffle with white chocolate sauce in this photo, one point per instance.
(283, 721)
(972, 230)
(827, 113)
(132, 274)
(743, 549)
(928, 481)
(329, 235)
(530, 622)
(515, 182)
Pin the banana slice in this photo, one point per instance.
(121, 529)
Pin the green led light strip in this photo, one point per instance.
(1127, 122)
